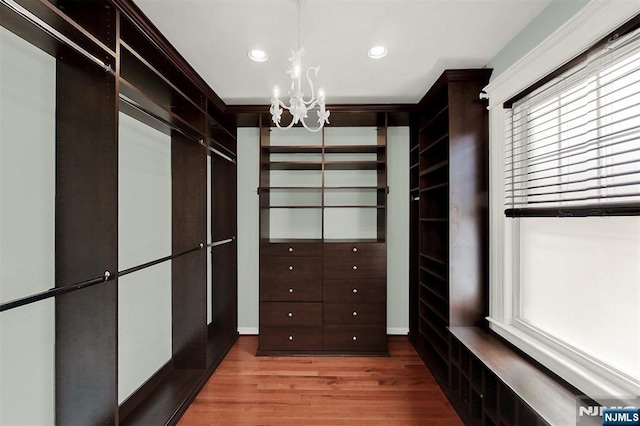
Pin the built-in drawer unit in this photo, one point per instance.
(318, 297)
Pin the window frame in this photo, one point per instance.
(591, 24)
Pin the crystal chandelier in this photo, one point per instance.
(298, 107)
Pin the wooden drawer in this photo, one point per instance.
(355, 250)
(352, 268)
(354, 313)
(354, 291)
(290, 314)
(291, 292)
(291, 249)
(354, 338)
(290, 338)
(291, 270)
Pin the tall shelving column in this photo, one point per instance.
(449, 143)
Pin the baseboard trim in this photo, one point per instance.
(248, 331)
(397, 331)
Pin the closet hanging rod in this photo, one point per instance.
(158, 261)
(24, 13)
(56, 291)
(219, 153)
(221, 242)
(135, 105)
(104, 278)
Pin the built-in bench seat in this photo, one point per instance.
(495, 385)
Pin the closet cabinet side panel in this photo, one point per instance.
(468, 203)
(189, 272)
(86, 241)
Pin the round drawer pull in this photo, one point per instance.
(355, 249)
(290, 290)
(355, 290)
(290, 337)
(290, 314)
(355, 267)
(355, 314)
(290, 249)
(291, 267)
(354, 338)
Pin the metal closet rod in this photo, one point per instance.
(186, 134)
(56, 291)
(24, 13)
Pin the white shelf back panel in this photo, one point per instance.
(350, 223)
(295, 223)
(350, 135)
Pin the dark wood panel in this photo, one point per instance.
(290, 338)
(189, 272)
(350, 268)
(354, 313)
(290, 314)
(354, 338)
(354, 291)
(280, 270)
(86, 234)
(354, 250)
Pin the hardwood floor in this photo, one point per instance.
(250, 390)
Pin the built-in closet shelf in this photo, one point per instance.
(332, 186)
(448, 246)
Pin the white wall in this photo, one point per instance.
(27, 230)
(397, 230)
(248, 238)
(144, 234)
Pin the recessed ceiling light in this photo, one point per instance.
(378, 52)
(258, 55)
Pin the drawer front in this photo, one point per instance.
(354, 291)
(354, 313)
(290, 314)
(354, 338)
(290, 338)
(291, 249)
(350, 268)
(290, 292)
(291, 270)
(355, 250)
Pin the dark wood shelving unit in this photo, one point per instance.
(323, 295)
(448, 247)
(124, 65)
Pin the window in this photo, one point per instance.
(570, 273)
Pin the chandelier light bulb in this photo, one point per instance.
(276, 92)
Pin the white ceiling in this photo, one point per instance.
(424, 37)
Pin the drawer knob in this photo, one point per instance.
(355, 267)
(355, 314)
(290, 314)
(290, 290)
(290, 337)
(355, 290)
(354, 338)
(290, 249)
(291, 267)
(355, 249)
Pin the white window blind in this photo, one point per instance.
(573, 144)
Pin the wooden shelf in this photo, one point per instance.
(435, 167)
(353, 165)
(353, 149)
(434, 259)
(294, 149)
(292, 165)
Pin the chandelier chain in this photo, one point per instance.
(298, 10)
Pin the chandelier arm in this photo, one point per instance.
(313, 94)
(317, 129)
(285, 127)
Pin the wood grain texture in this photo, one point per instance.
(250, 390)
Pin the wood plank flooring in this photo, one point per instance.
(250, 390)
